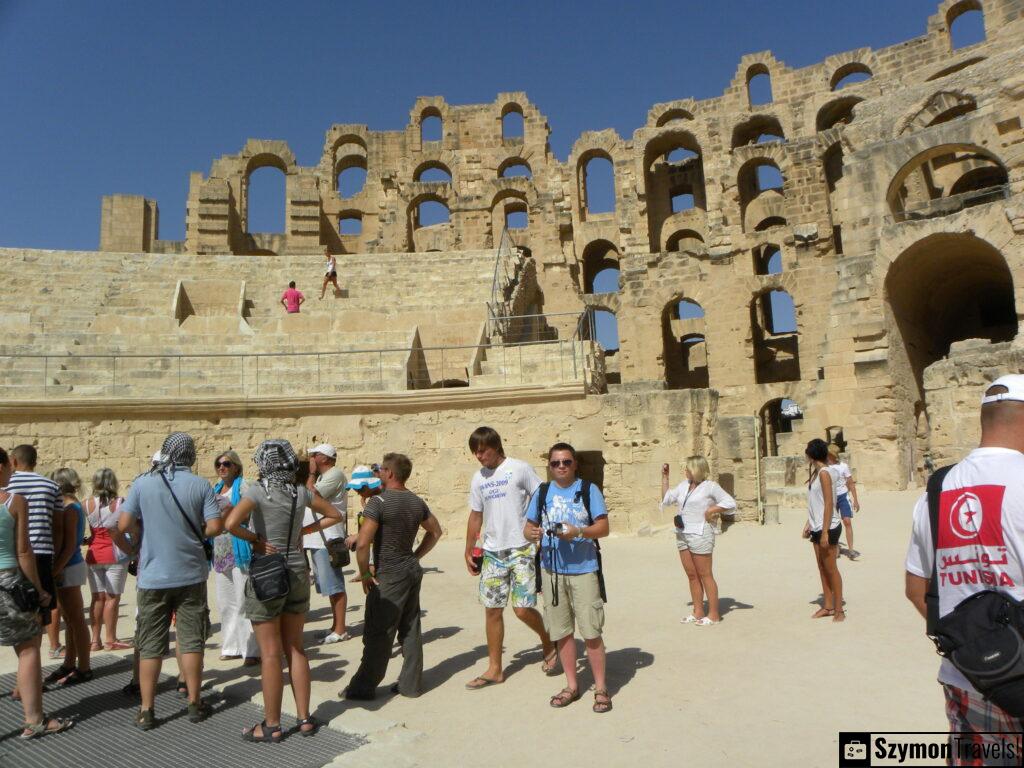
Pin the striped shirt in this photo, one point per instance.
(43, 498)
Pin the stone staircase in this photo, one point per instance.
(554, 362)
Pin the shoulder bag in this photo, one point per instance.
(204, 542)
(336, 548)
(268, 574)
(983, 636)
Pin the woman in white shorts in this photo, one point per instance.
(107, 558)
(700, 501)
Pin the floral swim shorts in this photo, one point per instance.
(509, 572)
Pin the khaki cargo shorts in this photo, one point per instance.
(191, 614)
(579, 605)
(296, 601)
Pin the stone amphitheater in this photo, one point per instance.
(836, 259)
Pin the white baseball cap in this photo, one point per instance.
(325, 448)
(1014, 384)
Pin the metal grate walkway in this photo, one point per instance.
(105, 735)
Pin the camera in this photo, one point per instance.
(555, 529)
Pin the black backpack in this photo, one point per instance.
(984, 635)
(542, 501)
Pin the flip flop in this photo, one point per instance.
(118, 645)
(58, 652)
(688, 620)
(481, 682)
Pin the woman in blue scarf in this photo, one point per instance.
(231, 557)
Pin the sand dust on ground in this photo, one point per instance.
(768, 686)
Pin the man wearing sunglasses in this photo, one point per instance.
(566, 525)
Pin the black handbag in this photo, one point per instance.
(336, 549)
(24, 595)
(268, 574)
(204, 542)
(983, 637)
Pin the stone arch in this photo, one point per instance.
(763, 256)
(684, 344)
(506, 202)
(836, 111)
(429, 165)
(776, 351)
(259, 155)
(755, 126)
(513, 162)
(760, 205)
(957, 9)
(774, 422)
(978, 175)
(512, 129)
(685, 241)
(664, 179)
(756, 70)
(598, 256)
(945, 288)
(584, 160)
(938, 108)
(423, 237)
(835, 83)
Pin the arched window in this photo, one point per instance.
(759, 85)
(512, 123)
(767, 259)
(431, 126)
(774, 335)
(966, 24)
(673, 116)
(835, 112)
(945, 179)
(679, 155)
(684, 345)
(430, 212)
(760, 129)
(777, 417)
(850, 74)
(761, 193)
(433, 172)
(350, 224)
(516, 215)
(265, 193)
(598, 185)
(684, 240)
(600, 257)
(512, 169)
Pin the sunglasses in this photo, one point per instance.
(225, 464)
(555, 463)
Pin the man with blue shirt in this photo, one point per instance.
(566, 526)
(180, 509)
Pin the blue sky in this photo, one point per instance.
(129, 97)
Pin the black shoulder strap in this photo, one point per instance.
(932, 595)
(181, 509)
(585, 495)
(542, 501)
(291, 522)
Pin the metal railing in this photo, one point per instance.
(944, 206)
(506, 267)
(247, 375)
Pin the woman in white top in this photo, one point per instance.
(821, 506)
(846, 489)
(701, 501)
(330, 274)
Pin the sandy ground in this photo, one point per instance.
(768, 686)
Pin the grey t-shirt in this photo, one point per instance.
(398, 515)
(270, 519)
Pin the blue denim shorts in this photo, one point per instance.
(329, 580)
(843, 504)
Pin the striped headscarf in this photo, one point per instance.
(178, 449)
(277, 463)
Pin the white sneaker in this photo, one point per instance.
(334, 637)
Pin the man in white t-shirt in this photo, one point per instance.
(980, 544)
(498, 497)
(328, 481)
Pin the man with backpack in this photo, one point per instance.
(965, 575)
(181, 512)
(565, 517)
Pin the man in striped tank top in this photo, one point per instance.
(44, 503)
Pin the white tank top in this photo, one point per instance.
(816, 502)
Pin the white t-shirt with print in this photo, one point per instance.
(502, 494)
(693, 504)
(981, 535)
(840, 473)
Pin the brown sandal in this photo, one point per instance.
(602, 706)
(564, 698)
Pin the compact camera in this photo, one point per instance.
(555, 529)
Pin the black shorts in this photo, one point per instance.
(833, 535)
(331, 275)
(44, 567)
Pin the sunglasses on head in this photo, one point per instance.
(560, 463)
(225, 464)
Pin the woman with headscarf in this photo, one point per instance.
(275, 505)
(231, 557)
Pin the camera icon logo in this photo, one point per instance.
(854, 750)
